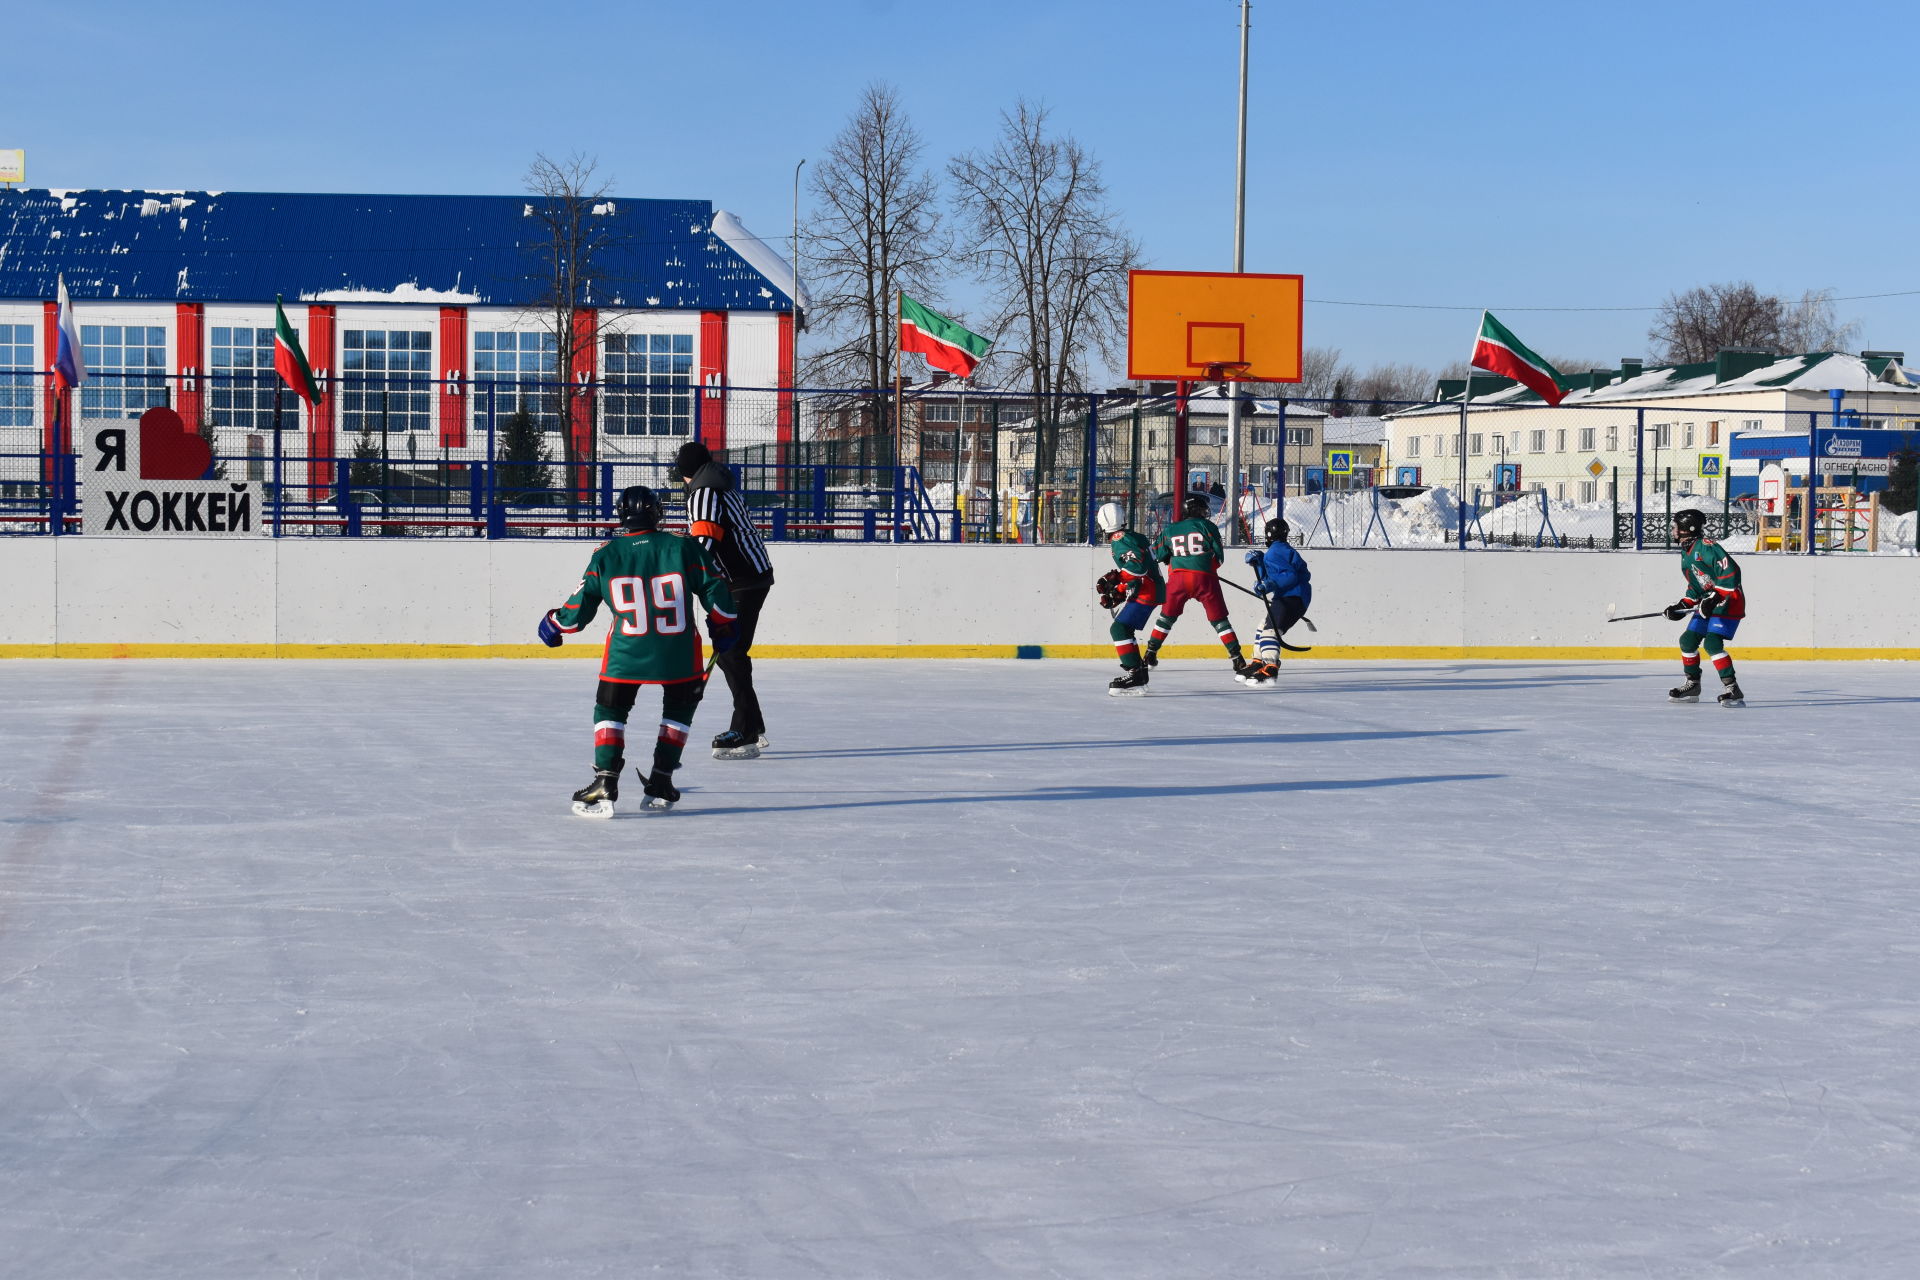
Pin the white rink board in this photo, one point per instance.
(1397, 970)
(911, 600)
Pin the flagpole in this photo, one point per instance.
(1466, 394)
(899, 427)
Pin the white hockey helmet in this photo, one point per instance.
(1110, 517)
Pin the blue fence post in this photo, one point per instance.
(1087, 487)
(899, 500)
(820, 495)
(869, 513)
(606, 491)
(496, 526)
(779, 530)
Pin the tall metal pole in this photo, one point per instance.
(796, 241)
(1239, 264)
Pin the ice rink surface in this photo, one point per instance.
(1397, 970)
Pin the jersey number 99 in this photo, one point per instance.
(667, 595)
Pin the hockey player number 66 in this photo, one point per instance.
(1188, 544)
(629, 597)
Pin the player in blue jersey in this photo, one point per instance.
(1283, 581)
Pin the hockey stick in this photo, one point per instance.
(1657, 613)
(1271, 622)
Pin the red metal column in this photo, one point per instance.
(713, 379)
(54, 432)
(586, 330)
(783, 378)
(453, 370)
(190, 362)
(320, 421)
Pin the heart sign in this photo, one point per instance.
(168, 451)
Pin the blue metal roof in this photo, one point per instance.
(241, 246)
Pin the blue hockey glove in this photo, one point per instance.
(1255, 557)
(550, 633)
(721, 632)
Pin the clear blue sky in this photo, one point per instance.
(1510, 155)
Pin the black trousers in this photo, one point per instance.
(737, 663)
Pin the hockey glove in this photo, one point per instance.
(721, 632)
(1709, 604)
(1678, 610)
(550, 633)
(1255, 557)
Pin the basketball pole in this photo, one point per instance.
(1239, 265)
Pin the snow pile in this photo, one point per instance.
(408, 291)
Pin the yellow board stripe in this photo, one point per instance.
(1345, 653)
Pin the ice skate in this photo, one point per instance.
(1732, 697)
(1688, 692)
(595, 800)
(661, 794)
(1128, 684)
(1150, 658)
(734, 745)
(1260, 674)
(1241, 668)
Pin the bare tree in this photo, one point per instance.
(1698, 324)
(1053, 256)
(1320, 370)
(875, 232)
(1812, 326)
(579, 234)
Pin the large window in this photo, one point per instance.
(126, 369)
(386, 380)
(523, 365)
(649, 384)
(1586, 445)
(240, 393)
(942, 412)
(17, 380)
(1536, 442)
(1413, 446)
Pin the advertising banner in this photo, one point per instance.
(146, 480)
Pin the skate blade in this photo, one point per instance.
(1736, 702)
(593, 808)
(655, 804)
(748, 752)
(1678, 701)
(1138, 692)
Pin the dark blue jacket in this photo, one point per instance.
(1282, 571)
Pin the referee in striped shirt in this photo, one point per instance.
(717, 515)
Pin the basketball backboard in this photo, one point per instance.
(1213, 325)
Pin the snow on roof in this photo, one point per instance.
(760, 256)
(1814, 371)
(242, 246)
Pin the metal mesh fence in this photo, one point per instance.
(530, 457)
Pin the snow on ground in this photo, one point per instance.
(1396, 970)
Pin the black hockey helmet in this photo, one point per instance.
(638, 508)
(1276, 531)
(1195, 506)
(1689, 524)
(692, 456)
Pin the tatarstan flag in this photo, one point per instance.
(289, 361)
(945, 344)
(1498, 351)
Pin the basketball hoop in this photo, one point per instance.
(1227, 371)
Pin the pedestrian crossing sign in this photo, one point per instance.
(1709, 465)
(1340, 462)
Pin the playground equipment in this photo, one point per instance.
(1842, 519)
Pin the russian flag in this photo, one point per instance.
(69, 362)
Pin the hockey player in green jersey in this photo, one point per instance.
(1717, 603)
(1133, 585)
(649, 579)
(1190, 548)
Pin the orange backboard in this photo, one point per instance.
(1186, 324)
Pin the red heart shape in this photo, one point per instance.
(168, 451)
